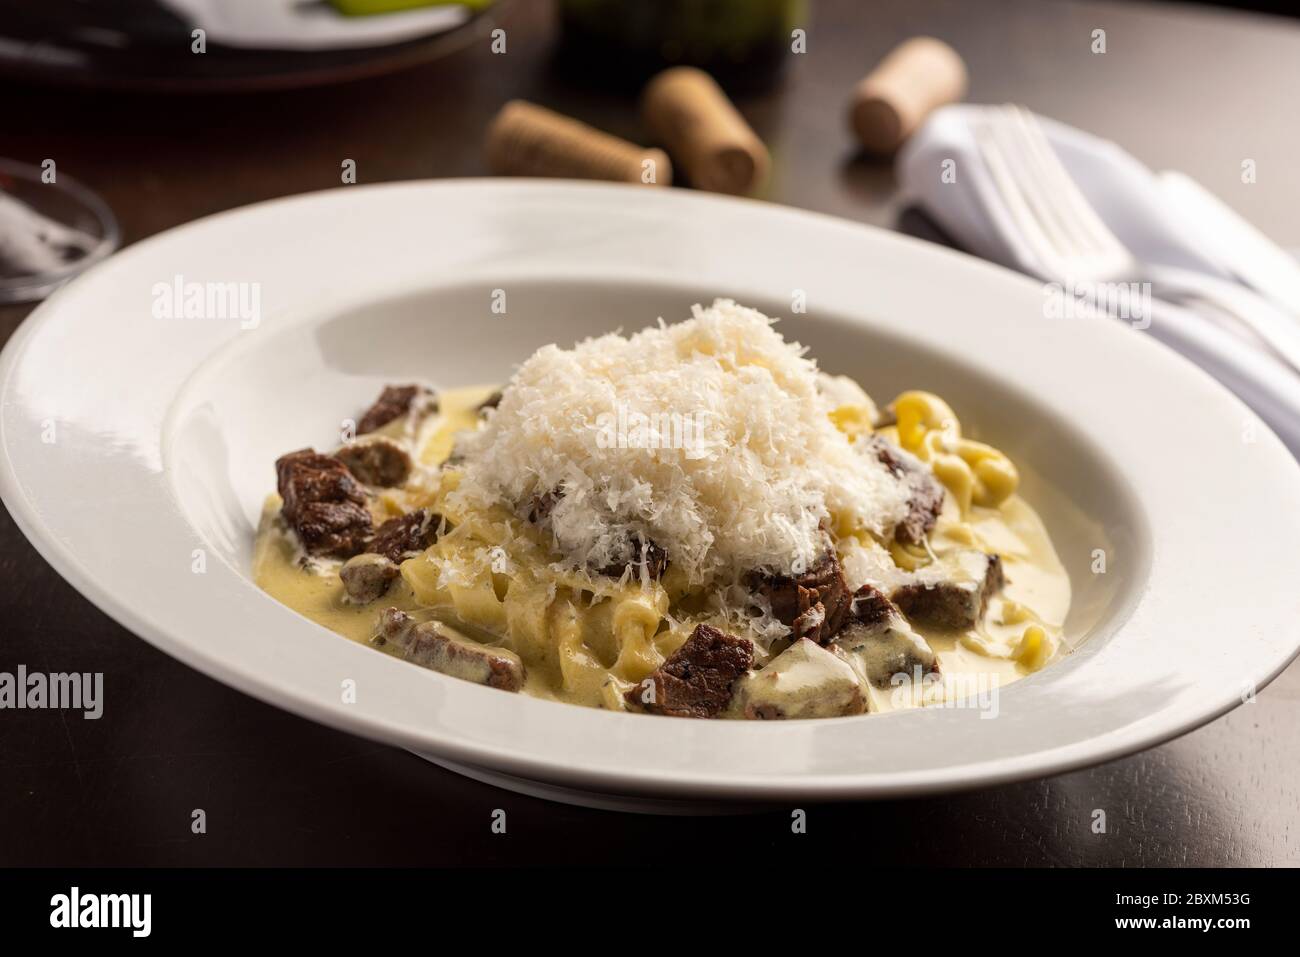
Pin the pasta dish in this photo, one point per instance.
(693, 520)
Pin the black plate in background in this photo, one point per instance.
(140, 45)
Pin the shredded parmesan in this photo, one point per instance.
(710, 438)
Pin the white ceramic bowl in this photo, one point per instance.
(131, 441)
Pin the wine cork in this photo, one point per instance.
(688, 112)
(528, 140)
(917, 77)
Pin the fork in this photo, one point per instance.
(1057, 235)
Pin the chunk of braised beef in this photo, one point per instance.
(924, 491)
(803, 681)
(491, 402)
(395, 401)
(439, 647)
(879, 643)
(810, 624)
(869, 606)
(541, 505)
(924, 503)
(406, 535)
(377, 461)
(654, 557)
(697, 679)
(323, 503)
(367, 577)
(953, 593)
(794, 600)
(885, 452)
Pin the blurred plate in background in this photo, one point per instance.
(249, 44)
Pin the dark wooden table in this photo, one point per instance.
(1184, 87)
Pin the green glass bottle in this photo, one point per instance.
(743, 43)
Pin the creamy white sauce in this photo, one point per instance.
(972, 663)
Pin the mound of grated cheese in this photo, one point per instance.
(709, 437)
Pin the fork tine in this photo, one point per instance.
(1068, 252)
(1058, 221)
(1031, 183)
(1028, 228)
(1045, 182)
(1038, 180)
(1070, 203)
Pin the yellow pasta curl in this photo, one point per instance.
(975, 473)
(853, 420)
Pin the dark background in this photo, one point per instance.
(1182, 86)
(1280, 7)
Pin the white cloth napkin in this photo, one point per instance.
(1131, 200)
(295, 25)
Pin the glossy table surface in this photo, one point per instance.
(1183, 87)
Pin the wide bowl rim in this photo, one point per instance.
(34, 506)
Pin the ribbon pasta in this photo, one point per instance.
(593, 637)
